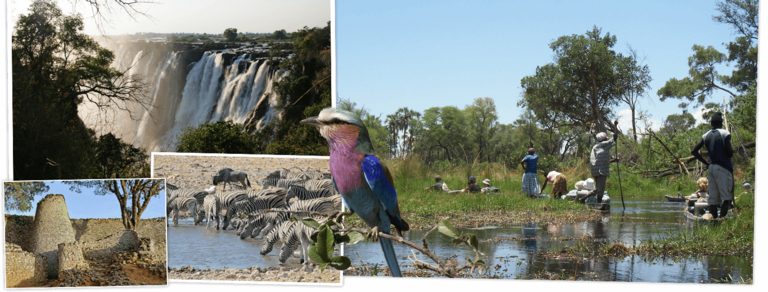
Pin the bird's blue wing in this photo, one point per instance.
(380, 181)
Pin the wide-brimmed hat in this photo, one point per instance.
(589, 184)
(487, 181)
(579, 185)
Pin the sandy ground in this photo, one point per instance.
(197, 171)
(271, 274)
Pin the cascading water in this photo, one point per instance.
(187, 87)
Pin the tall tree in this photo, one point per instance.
(581, 83)
(133, 195)
(483, 120)
(56, 67)
(20, 195)
(634, 80)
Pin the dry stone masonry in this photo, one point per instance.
(50, 245)
(51, 227)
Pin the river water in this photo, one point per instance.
(196, 246)
(512, 249)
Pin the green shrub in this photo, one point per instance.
(218, 137)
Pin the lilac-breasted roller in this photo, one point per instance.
(363, 181)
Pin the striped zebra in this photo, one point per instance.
(261, 193)
(183, 204)
(314, 174)
(259, 221)
(211, 209)
(294, 235)
(304, 194)
(257, 204)
(226, 204)
(326, 206)
(280, 183)
(320, 184)
(198, 194)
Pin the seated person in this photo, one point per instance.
(747, 188)
(472, 186)
(487, 188)
(702, 195)
(439, 185)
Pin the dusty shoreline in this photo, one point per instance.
(257, 274)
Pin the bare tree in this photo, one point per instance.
(102, 11)
(133, 195)
(634, 81)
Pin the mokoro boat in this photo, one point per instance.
(674, 199)
(694, 218)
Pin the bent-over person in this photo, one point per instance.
(559, 184)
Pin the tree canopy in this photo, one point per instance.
(581, 85)
(56, 67)
(20, 195)
(230, 34)
(133, 195)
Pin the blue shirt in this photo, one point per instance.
(715, 140)
(530, 163)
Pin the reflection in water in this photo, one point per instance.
(196, 246)
(518, 258)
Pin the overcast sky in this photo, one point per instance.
(88, 205)
(202, 16)
(393, 54)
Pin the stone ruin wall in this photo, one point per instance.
(70, 257)
(126, 240)
(24, 265)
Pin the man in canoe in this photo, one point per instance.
(720, 170)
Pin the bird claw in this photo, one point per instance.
(373, 235)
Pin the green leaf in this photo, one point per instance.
(355, 237)
(479, 261)
(309, 222)
(323, 266)
(340, 263)
(329, 241)
(473, 241)
(447, 228)
(457, 241)
(322, 244)
(341, 238)
(314, 255)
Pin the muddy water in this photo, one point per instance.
(196, 246)
(512, 249)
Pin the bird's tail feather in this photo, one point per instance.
(391, 257)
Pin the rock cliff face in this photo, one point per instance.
(51, 228)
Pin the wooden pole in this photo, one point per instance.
(618, 171)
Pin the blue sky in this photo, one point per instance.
(88, 205)
(393, 54)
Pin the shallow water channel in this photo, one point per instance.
(511, 250)
(196, 246)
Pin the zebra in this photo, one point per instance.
(199, 196)
(303, 194)
(260, 220)
(260, 193)
(256, 204)
(227, 175)
(297, 175)
(280, 183)
(314, 175)
(320, 184)
(326, 205)
(296, 234)
(211, 209)
(226, 203)
(182, 204)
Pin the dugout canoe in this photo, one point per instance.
(674, 199)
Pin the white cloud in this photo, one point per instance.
(625, 122)
(699, 116)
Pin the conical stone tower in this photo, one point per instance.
(51, 227)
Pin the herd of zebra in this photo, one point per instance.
(244, 209)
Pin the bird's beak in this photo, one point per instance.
(312, 122)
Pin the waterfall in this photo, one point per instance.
(186, 88)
